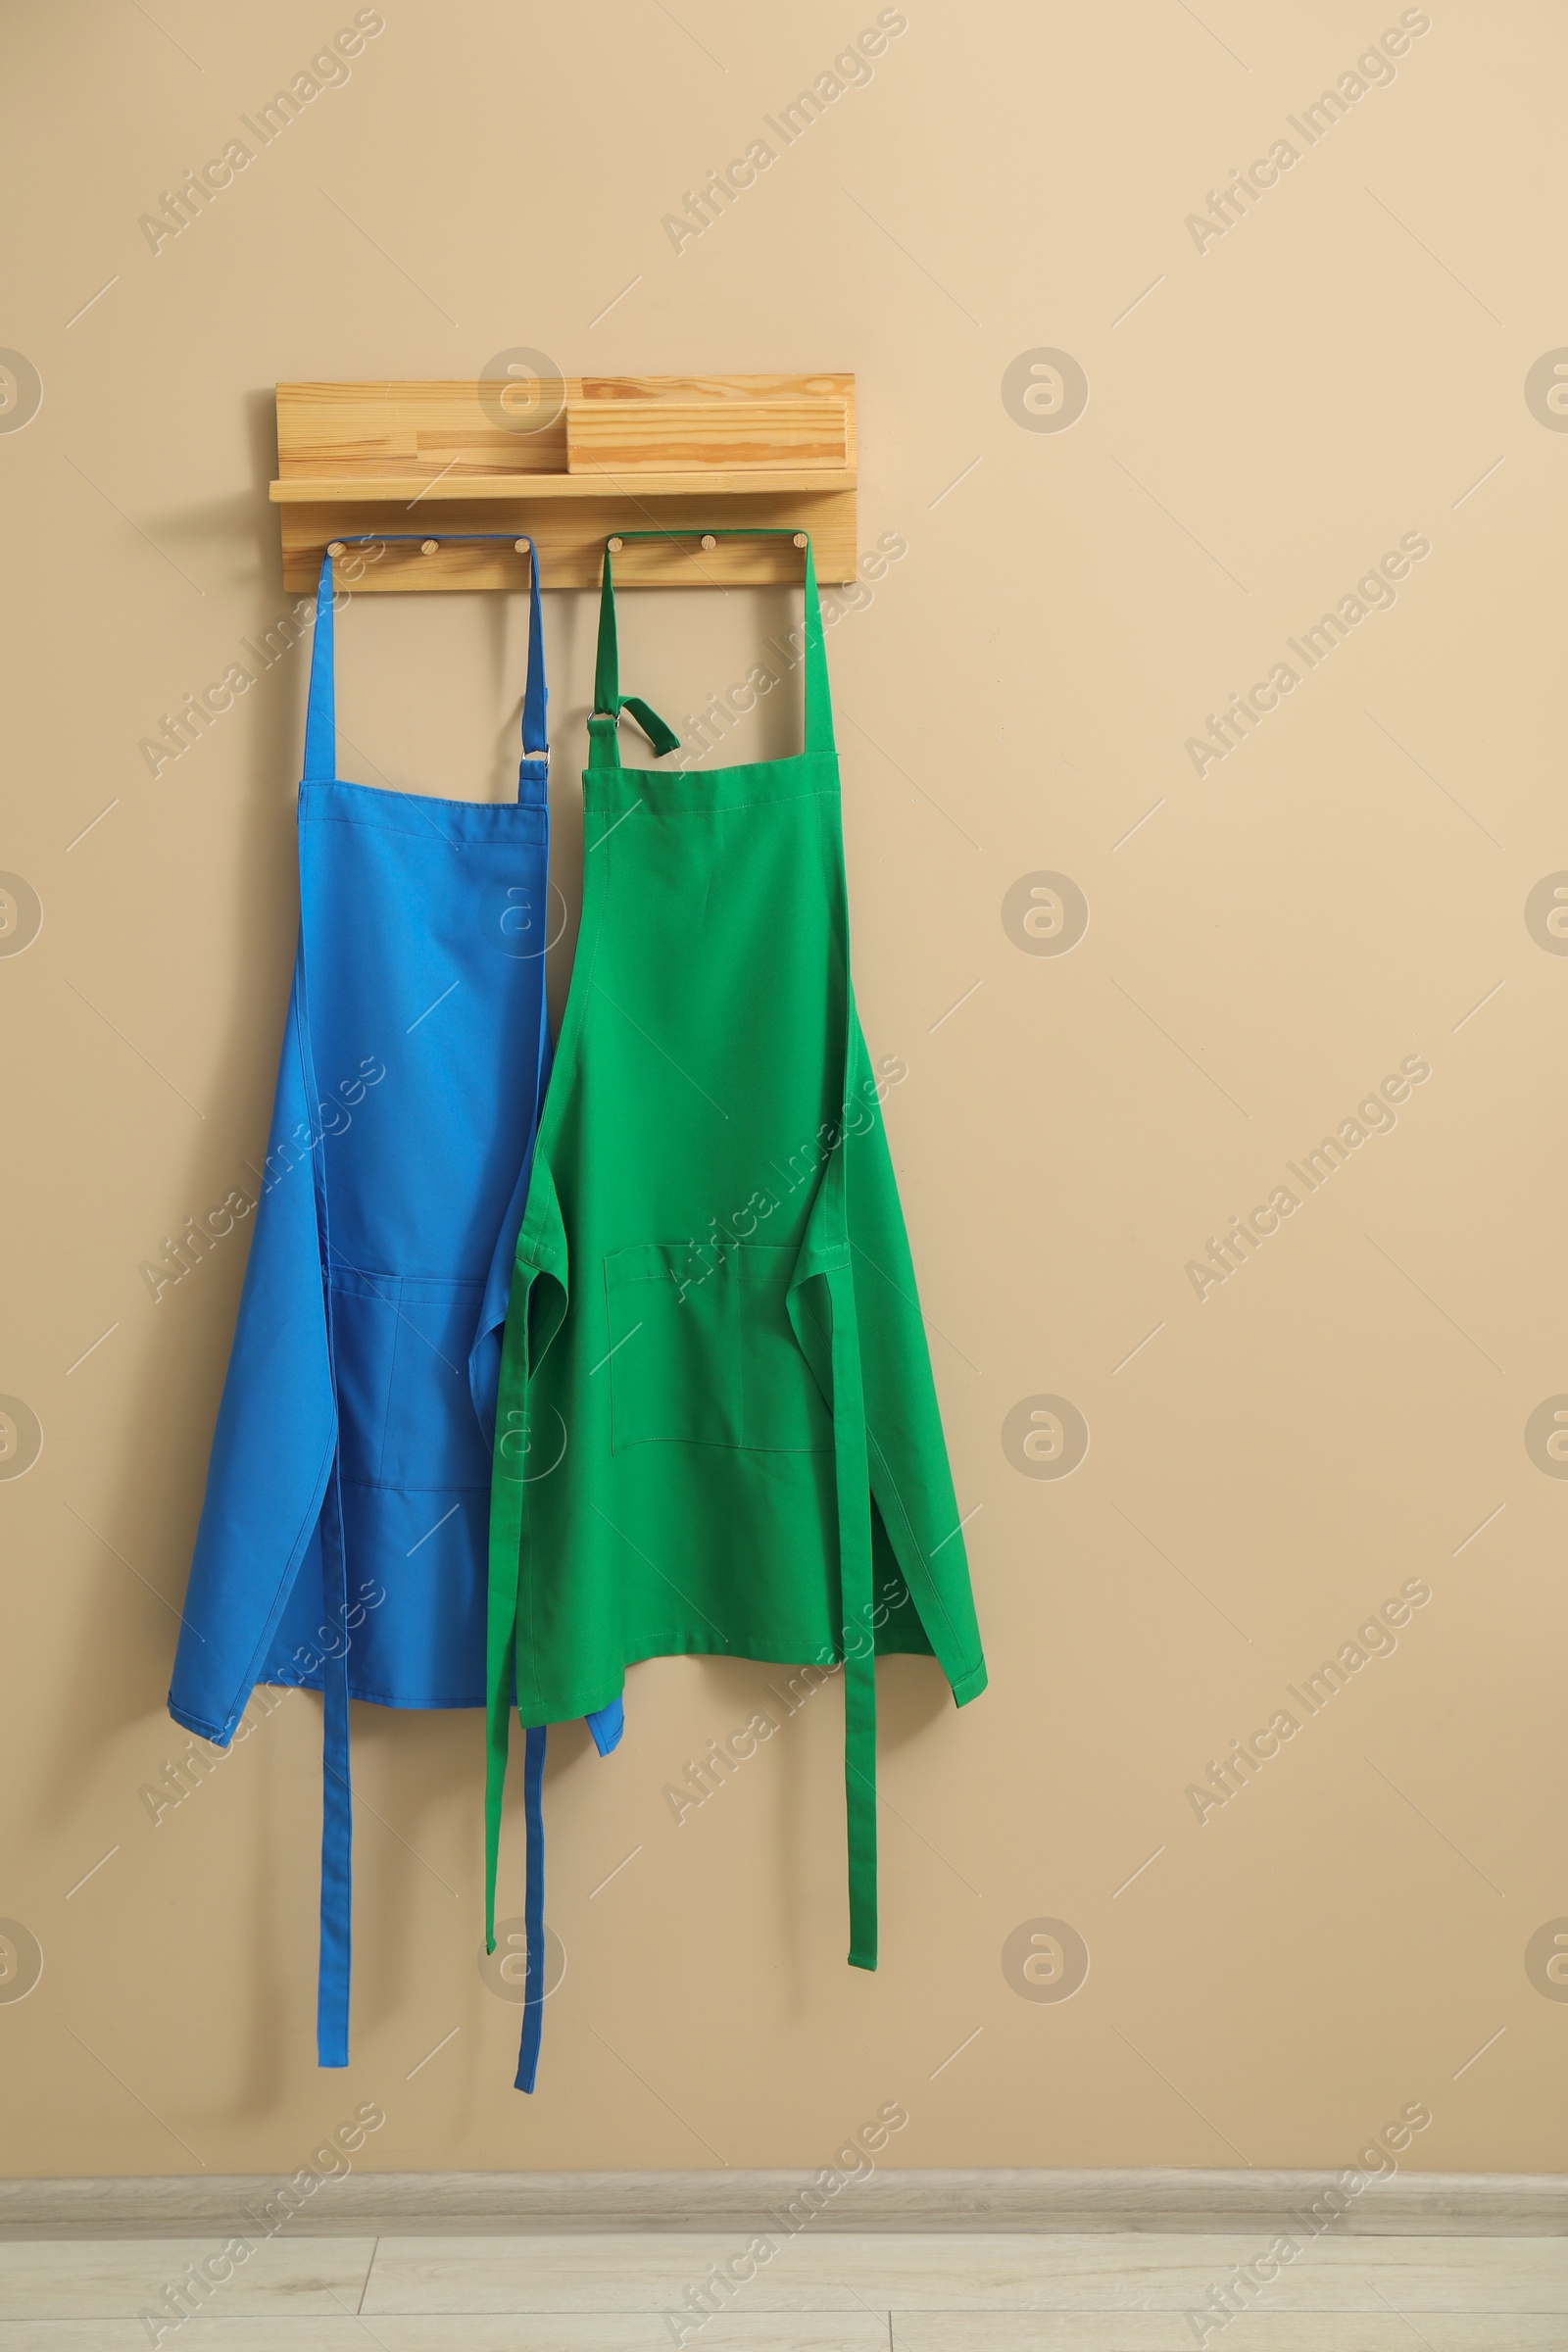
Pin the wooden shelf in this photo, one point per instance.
(566, 464)
(418, 489)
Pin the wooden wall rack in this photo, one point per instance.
(575, 460)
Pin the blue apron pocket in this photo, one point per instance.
(365, 1329)
(401, 1361)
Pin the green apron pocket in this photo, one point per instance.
(701, 1353)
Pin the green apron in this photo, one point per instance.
(717, 1429)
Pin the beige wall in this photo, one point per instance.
(1343, 366)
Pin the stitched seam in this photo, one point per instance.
(728, 1445)
(500, 811)
(391, 1380)
(375, 1698)
(785, 800)
(415, 1486)
(204, 1726)
(723, 1444)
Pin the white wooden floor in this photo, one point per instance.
(823, 2293)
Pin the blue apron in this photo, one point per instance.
(342, 1542)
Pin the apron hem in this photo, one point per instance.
(969, 1685)
(375, 1698)
(199, 1725)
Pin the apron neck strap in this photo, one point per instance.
(818, 699)
(609, 702)
(535, 693)
(604, 744)
(321, 709)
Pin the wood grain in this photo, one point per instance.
(336, 431)
(314, 490)
(117, 2276)
(622, 2331)
(808, 2331)
(821, 2293)
(1490, 2205)
(1167, 2331)
(678, 452)
(571, 536)
(673, 437)
(1066, 2273)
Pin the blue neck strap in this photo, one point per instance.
(320, 709)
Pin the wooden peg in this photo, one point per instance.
(427, 547)
(520, 545)
(616, 546)
(799, 538)
(708, 542)
(335, 549)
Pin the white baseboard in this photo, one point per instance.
(1408, 2205)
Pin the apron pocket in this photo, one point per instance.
(364, 1338)
(433, 1438)
(702, 1352)
(405, 1416)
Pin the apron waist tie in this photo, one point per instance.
(854, 1476)
(337, 1802)
(605, 1727)
(533, 1908)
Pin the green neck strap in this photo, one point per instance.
(609, 702)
